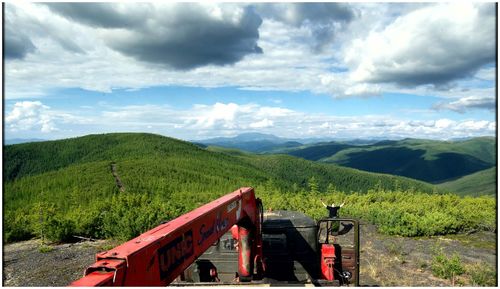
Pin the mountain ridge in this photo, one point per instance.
(35, 158)
(426, 160)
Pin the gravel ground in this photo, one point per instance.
(397, 261)
(25, 265)
(385, 260)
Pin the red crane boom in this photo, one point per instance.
(161, 254)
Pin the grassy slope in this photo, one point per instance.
(476, 184)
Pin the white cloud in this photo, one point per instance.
(321, 21)
(469, 102)
(379, 47)
(363, 89)
(287, 64)
(232, 117)
(262, 124)
(432, 45)
(443, 123)
(488, 74)
(471, 125)
(229, 119)
(272, 112)
(218, 114)
(340, 86)
(34, 119)
(30, 115)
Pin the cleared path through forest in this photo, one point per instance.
(119, 183)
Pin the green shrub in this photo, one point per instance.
(59, 230)
(17, 233)
(447, 268)
(17, 227)
(45, 249)
(89, 220)
(129, 215)
(482, 275)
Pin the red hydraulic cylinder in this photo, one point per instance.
(245, 258)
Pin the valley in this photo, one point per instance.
(431, 161)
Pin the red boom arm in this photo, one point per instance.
(158, 256)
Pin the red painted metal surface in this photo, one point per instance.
(327, 261)
(96, 278)
(158, 256)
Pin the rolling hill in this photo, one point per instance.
(252, 142)
(480, 183)
(68, 184)
(270, 144)
(21, 140)
(426, 160)
(36, 158)
(319, 151)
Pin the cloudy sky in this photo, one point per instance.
(194, 71)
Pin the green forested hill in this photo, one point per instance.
(427, 160)
(35, 158)
(297, 171)
(476, 184)
(59, 188)
(154, 151)
(319, 151)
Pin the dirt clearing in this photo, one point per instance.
(25, 265)
(385, 260)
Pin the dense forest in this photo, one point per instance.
(479, 183)
(58, 189)
(427, 160)
(460, 166)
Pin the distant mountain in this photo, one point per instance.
(319, 151)
(358, 142)
(268, 143)
(21, 140)
(256, 146)
(427, 160)
(480, 183)
(245, 137)
(252, 142)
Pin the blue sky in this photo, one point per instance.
(291, 69)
